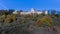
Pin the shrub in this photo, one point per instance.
(52, 16)
(14, 18)
(34, 18)
(23, 21)
(1, 20)
(3, 16)
(28, 16)
(39, 22)
(43, 14)
(46, 20)
(8, 19)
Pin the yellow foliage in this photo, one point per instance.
(14, 17)
(8, 19)
(46, 20)
(1, 20)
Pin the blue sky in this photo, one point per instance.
(28, 4)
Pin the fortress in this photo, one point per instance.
(32, 11)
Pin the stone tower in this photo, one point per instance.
(46, 12)
(32, 10)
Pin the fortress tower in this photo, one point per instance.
(46, 12)
(32, 10)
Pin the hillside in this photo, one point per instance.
(29, 24)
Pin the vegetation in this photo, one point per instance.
(8, 19)
(27, 24)
(28, 16)
(1, 20)
(39, 22)
(14, 17)
(46, 20)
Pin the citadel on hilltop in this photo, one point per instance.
(32, 11)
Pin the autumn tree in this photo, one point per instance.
(46, 20)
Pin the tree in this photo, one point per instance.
(46, 20)
(43, 14)
(53, 12)
(3, 12)
(35, 17)
(11, 11)
(57, 15)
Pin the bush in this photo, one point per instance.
(34, 18)
(23, 21)
(3, 16)
(14, 18)
(46, 20)
(1, 20)
(43, 14)
(39, 22)
(8, 19)
(52, 16)
(28, 16)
